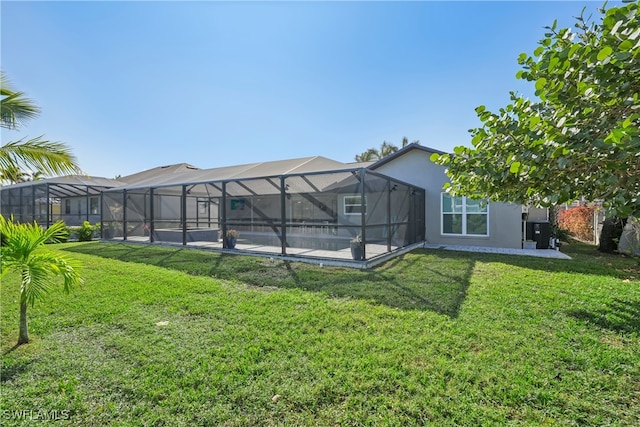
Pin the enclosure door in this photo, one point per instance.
(416, 218)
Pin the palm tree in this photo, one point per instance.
(405, 141)
(368, 156)
(52, 158)
(15, 107)
(13, 175)
(22, 251)
(387, 148)
(36, 176)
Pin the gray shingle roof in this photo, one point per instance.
(187, 174)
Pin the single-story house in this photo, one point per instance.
(311, 207)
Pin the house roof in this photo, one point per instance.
(177, 175)
(157, 172)
(402, 152)
(184, 173)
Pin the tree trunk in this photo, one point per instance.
(610, 234)
(553, 218)
(24, 331)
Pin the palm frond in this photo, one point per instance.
(36, 280)
(56, 232)
(387, 148)
(20, 240)
(12, 174)
(52, 158)
(22, 252)
(39, 270)
(69, 270)
(370, 155)
(15, 108)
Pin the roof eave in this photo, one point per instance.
(401, 152)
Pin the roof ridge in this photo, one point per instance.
(308, 159)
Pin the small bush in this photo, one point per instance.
(578, 221)
(85, 233)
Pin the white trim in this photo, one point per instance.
(345, 204)
(464, 215)
(94, 200)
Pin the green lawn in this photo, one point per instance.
(432, 337)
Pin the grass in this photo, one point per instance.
(160, 336)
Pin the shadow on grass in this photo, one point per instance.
(7, 373)
(617, 316)
(586, 259)
(15, 347)
(419, 280)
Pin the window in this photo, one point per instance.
(465, 217)
(237, 204)
(67, 206)
(353, 205)
(93, 205)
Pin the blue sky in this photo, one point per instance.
(134, 85)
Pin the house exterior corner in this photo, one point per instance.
(453, 221)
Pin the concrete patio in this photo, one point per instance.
(376, 254)
(540, 253)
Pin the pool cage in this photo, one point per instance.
(69, 199)
(317, 214)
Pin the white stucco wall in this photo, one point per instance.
(505, 219)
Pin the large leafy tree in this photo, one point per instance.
(580, 137)
(23, 251)
(35, 155)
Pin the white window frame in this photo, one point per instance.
(359, 204)
(94, 200)
(203, 205)
(463, 214)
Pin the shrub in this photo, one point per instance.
(578, 221)
(85, 233)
